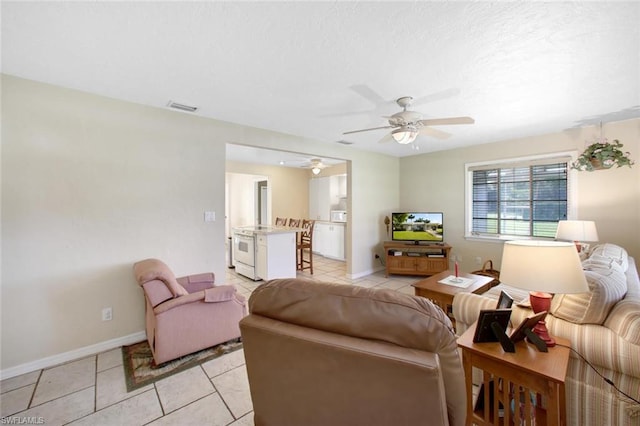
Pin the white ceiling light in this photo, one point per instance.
(315, 170)
(405, 134)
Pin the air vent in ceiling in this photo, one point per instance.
(182, 107)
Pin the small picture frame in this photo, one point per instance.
(505, 301)
(529, 322)
(484, 332)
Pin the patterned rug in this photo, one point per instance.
(140, 369)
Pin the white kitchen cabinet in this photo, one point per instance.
(276, 255)
(328, 240)
(320, 198)
(324, 194)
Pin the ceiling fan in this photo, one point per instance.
(315, 164)
(407, 125)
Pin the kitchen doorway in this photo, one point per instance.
(262, 202)
(248, 200)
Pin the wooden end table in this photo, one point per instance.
(442, 294)
(532, 377)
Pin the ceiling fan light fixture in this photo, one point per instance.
(405, 135)
(315, 170)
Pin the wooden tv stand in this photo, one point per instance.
(416, 259)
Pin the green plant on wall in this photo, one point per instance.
(602, 155)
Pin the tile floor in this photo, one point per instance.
(92, 390)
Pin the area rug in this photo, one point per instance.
(140, 369)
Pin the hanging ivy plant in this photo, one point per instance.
(602, 155)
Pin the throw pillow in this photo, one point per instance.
(606, 288)
(613, 252)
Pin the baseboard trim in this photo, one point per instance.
(364, 273)
(50, 361)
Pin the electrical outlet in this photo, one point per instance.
(478, 260)
(107, 314)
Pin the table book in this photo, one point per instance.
(457, 282)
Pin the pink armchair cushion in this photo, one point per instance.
(157, 292)
(221, 293)
(154, 269)
(197, 282)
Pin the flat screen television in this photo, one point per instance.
(417, 227)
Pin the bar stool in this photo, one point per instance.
(305, 242)
(281, 221)
(294, 223)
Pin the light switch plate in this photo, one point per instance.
(209, 216)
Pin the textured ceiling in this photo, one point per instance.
(318, 69)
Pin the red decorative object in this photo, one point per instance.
(541, 302)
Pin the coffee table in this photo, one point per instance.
(442, 294)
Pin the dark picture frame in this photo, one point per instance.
(484, 332)
(505, 301)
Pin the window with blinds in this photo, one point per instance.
(518, 199)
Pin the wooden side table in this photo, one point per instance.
(534, 379)
(442, 294)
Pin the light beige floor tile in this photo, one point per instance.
(209, 410)
(16, 400)
(246, 420)
(407, 290)
(109, 359)
(111, 387)
(180, 389)
(65, 379)
(224, 363)
(63, 410)
(365, 283)
(233, 387)
(19, 381)
(138, 410)
(374, 278)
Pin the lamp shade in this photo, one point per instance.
(542, 266)
(405, 134)
(577, 230)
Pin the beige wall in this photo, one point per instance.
(91, 185)
(609, 197)
(289, 189)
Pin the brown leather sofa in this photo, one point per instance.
(329, 354)
(187, 314)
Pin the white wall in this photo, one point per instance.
(241, 199)
(288, 187)
(91, 185)
(609, 197)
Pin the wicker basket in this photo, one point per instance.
(488, 271)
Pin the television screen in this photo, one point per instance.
(417, 226)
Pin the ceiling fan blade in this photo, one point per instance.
(438, 134)
(346, 114)
(368, 93)
(444, 94)
(386, 138)
(366, 130)
(447, 121)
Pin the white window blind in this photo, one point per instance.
(521, 198)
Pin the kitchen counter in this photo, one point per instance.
(265, 251)
(265, 229)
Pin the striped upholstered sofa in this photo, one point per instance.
(602, 325)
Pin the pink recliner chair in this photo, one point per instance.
(187, 314)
